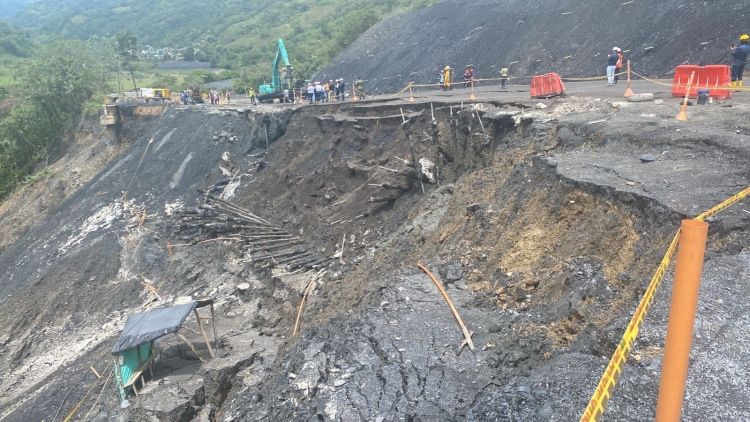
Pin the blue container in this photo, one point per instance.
(703, 96)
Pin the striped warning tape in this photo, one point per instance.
(603, 392)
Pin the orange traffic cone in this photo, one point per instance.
(411, 95)
(472, 97)
(354, 93)
(628, 91)
(681, 115)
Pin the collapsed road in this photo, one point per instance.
(537, 216)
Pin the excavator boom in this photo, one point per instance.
(281, 76)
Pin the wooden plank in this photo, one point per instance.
(190, 345)
(213, 323)
(293, 258)
(95, 373)
(203, 333)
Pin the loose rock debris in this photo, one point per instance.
(520, 229)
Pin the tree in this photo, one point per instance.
(188, 54)
(127, 46)
(48, 90)
(105, 52)
(58, 80)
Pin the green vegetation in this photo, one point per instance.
(232, 34)
(42, 87)
(15, 45)
(49, 88)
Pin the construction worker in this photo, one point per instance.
(342, 90)
(251, 94)
(612, 58)
(447, 80)
(331, 88)
(359, 85)
(739, 58)
(320, 93)
(618, 66)
(311, 93)
(467, 78)
(503, 77)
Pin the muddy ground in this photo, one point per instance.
(538, 217)
(571, 38)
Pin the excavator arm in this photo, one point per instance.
(281, 76)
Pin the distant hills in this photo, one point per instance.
(233, 34)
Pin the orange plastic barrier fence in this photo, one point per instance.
(716, 78)
(547, 85)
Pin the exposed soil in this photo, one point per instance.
(537, 217)
(571, 38)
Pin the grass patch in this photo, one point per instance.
(42, 175)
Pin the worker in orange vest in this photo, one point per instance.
(618, 66)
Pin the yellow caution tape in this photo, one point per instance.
(724, 205)
(713, 88)
(594, 78)
(651, 80)
(603, 392)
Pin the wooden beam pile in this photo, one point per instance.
(264, 242)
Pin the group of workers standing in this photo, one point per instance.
(333, 90)
(444, 78)
(215, 96)
(336, 90)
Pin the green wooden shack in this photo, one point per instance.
(135, 351)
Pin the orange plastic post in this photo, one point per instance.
(628, 91)
(687, 279)
(681, 115)
(354, 93)
(411, 95)
(472, 97)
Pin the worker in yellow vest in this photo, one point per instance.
(503, 77)
(447, 82)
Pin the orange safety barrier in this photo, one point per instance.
(716, 78)
(547, 85)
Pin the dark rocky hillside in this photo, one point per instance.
(568, 37)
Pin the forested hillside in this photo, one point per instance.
(15, 42)
(230, 33)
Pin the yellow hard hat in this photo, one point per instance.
(744, 37)
(447, 68)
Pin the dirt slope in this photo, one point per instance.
(569, 37)
(543, 227)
